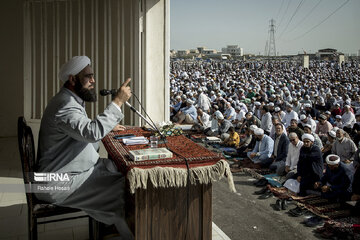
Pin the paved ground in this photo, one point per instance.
(243, 216)
(239, 216)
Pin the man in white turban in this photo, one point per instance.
(335, 183)
(263, 148)
(310, 165)
(68, 143)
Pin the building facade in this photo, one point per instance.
(123, 38)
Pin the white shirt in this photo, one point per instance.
(293, 155)
(204, 102)
(214, 125)
(272, 132)
(266, 123)
(240, 115)
(230, 114)
(348, 119)
(288, 117)
(312, 123)
(205, 118)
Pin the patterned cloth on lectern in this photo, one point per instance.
(181, 147)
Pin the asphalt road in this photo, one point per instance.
(243, 216)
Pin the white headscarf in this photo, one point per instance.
(73, 67)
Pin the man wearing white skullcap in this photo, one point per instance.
(263, 148)
(257, 110)
(335, 183)
(307, 120)
(344, 147)
(203, 101)
(230, 113)
(68, 143)
(289, 115)
(249, 120)
(310, 165)
(240, 116)
(224, 126)
(187, 114)
(348, 119)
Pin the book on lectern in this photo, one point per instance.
(150, 154)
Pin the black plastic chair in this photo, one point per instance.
(37, 208)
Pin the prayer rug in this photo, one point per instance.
(273, 179)
(315, 204)
(254, 169)
(284, 193)
(325, 208)
(345, 228)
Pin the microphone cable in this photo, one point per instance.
(186, 162)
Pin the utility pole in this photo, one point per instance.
(266, 48)
(271, 47)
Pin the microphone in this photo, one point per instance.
(105, 92)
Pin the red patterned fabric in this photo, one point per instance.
(181, 147)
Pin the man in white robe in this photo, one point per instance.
(68, 144)
(203, 101)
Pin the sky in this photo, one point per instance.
(215, 24)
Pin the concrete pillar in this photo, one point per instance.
(341, 59)
(156, 53)
(305, 61)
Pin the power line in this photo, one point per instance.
(341, 6)
(307, 15)
(284, 13)
(296, 10)
(282, 3)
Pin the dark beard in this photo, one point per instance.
(88, 95)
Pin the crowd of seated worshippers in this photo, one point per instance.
(300, 125)
(323, 161)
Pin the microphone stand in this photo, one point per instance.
(162, 137)
(141, 116)
(151, 124)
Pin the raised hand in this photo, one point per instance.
(123, 94)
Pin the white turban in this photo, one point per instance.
(332, 159)
(332, 134)
(253, 127)
(308, 136)
(73, 67)
(259, 131)
(302, 116)
(219, 115)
